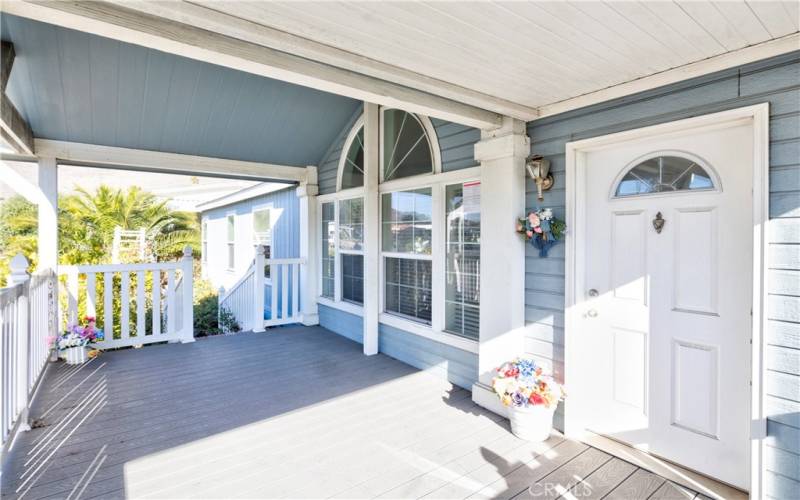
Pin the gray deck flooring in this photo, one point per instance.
(291, 413)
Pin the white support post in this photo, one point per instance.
(19, 275)
(187, 298)
(502, 155)
(48, 214)
(307, 194)
(258, 289)
(372, 226)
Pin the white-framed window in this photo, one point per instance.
(204, 241)
(262, 226)
(407, 254)
(230, 230)
(429, 239)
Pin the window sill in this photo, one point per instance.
(428, 332)
(343, 306)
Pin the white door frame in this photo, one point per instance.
(576, 152)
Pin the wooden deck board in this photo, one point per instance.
(293, 413)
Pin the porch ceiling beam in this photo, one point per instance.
(156, 161)
(13, 127)
(7, 55)
(140, 28)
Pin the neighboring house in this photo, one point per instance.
(231, 226)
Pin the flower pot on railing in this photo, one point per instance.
(531, 398)
(73, 345)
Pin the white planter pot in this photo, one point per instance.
(75, 355)
(532, 423)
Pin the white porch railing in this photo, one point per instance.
(267, 295)
(27, 320)
(82, 282)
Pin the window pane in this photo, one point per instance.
(408, 288)
(351, 224)
(664, 174)
(261, 227)
(328, 232)
(406, 150)
(231, 256)
(353, 278)
(231, 228)
(406, 221)
(463, 253)
(353, 168)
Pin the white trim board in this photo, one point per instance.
(575, 191)
(92, 155)
(753, 53)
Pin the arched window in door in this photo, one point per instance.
(665, 173)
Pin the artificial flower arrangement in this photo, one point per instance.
(80, 335)
(542, 229)
(522, 384)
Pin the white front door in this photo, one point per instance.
(667, 315)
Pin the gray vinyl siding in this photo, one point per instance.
(776, 81)
(455, 365)
(456, 145)
(342, 323)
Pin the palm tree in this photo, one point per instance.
(86, 223)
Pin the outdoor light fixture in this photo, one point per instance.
(539, 170)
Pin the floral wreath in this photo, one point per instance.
(542, 229)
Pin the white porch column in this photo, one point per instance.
(309, 227)
(502, 154)
(372, 226)
(48, 214)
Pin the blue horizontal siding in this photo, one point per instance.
(776, 81)
(457, 366)
(342, 323)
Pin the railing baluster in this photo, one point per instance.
(156, 303)
(140, 312)
(108, 306)
(125, 305)
(285, 291)
(171, 302)
(91, 295)
(295, 290)
(273, 308)
(72, 297)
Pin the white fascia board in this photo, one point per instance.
(244, 194)
(157, 161)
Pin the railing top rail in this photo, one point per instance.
(285, 261)
(102, 268)
(11, 293)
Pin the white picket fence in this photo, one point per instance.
(268, 294)
(82, 281)
(27, 322)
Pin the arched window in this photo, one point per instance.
(665, 173)
(407, 147)
(351, 168)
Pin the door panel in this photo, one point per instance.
(670, 323)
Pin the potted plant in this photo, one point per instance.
(72, 344)
(531, 397)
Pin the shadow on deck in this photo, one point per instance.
(294, 412)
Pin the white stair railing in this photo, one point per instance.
(27, 321)
(116, 280)
(238, 301)
(268, 294)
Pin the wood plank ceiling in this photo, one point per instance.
(531, 53)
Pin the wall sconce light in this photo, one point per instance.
(539, 170)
